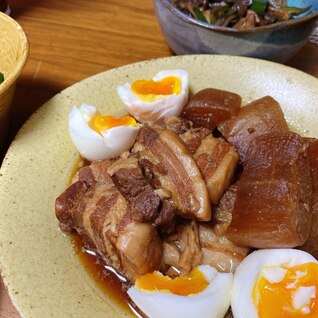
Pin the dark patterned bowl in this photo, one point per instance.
(276, 42)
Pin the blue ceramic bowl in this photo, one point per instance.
(276, 42)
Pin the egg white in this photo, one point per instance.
(93, 146)
(247, 274)
(213, 302)
(167, 106)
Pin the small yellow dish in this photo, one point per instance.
(14, 50)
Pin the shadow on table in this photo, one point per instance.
(29, 96)
(306, 60)
(20, 7)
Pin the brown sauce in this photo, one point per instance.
(79, 163)
(105, 277)
(112, 284)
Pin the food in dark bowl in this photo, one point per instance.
(278, 41)
(240, 14)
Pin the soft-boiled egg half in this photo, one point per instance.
(99, 137)
(277, 283)
(150, 101)
(205, 293)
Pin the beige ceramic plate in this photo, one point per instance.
(43, 277)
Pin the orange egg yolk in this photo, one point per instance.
(183, 286)
(149, 90)
(100, 123)
(276, 300)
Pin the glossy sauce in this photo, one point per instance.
(104, 276)
(112, 284)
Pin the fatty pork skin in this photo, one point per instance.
(272, 205)
(210, 106)
(311, 246)
(259, 117)
(95, 208)
(175, 171)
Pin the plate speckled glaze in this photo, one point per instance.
(37, 261)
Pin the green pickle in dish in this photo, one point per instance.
(240, 14)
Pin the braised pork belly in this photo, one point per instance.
(260, 117)
(179, 198)
(210, 106)
(132, 184)
(130, 207)
(216, 159)
(218, 251)
(311, 246)
(192, 137)
(272, 205)
(223, 212)
(194, 243)
(96, 209)
(182, 250)
(175, 171)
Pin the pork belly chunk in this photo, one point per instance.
(130, 181)
(95, 172)
(178, 125)
(146, 205)
(222, 216)
(96, 209)
(140, 249)
(66, 202)
(195, 243)
(192, 137)
(311, 246)
(85, 177)
(218, 251)
(171, 168)
(272, 205)
(217, 161)
(215, 158)
(260, 117)
(182, 250)
(210, 106)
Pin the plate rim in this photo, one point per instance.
(63, 91)
(34, 117)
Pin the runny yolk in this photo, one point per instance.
(149, 90)
(99, 123)
(183, 286)
(277, 300)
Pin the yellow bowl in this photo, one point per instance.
(14, 50)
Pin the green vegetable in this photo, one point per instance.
(1, 77)
(259, 6)
(295, 10)
(199, 15)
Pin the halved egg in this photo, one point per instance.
(205, 293)
(99, 137)
(150, 101)
(276, 283)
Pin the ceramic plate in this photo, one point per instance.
(38, 265)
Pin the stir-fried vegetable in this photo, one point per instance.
(1, 77)
(199, 14)
(259, 6)
(239, 14)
